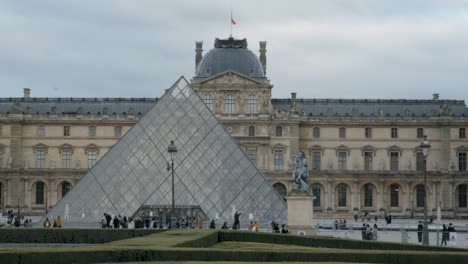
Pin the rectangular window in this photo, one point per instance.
(40, 193)
(208, 100)
(342, 160)
(342, 133)
(316, 194)
(316, 132)
(419, 161)
(66, 131)
(1, 161)
(462, 161)
(40, 158)
(92, 154)
(316, 155)
(462, 196)
(419, 132)
(394, 161)
(368, 132)
(251, 131)
(92, 131)
(394, 132)
(368, 160)
(66, 158)
(461, 133)
(278, 159)
(117, 131)
(252, 154)
(40, 131)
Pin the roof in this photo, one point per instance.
(76, 105)
(230, 54)
(374, 107)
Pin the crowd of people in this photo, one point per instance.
(14, 220)
(368, 232)
(117, 222)
(57, 223)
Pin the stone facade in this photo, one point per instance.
(363, 155)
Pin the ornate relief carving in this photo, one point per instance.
(91, 147)
(40, 146)
(66, 146)
(279, 146)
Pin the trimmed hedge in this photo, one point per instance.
(324, 242)
(70, 236)
(203, 242)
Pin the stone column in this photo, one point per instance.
(356, 195)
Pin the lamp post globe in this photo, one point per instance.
(425, 147)
(172, 149)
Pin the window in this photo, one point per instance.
(342, 160)
(41, 131)
(342, 133)
(66, 186)
(279, 131)
(66, 131)
(251, 131)
(117, 131)
(278, 159)
(368, 160)
(368, 132)
(252, 154)
(420, 195)
(252, 104)
(40, 158)
(316, 133)
(1, 159)
(342, 195)
(316, 155)
(229, 104)
(461, 133)
(280, 188)
(92, 154)
(462, 161)
(39, 193)
(420, 132)
(462, 203)
(394, 195)
(1, 133)
(1, 193)
(394, 161)
(419, 161)
(394, 132)
(208, 100)
(92, 131)
(316, 194)
(66, 158)
(368, 191)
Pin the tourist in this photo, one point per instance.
(256, 226)
(212, 224)
(368, 232)
(236, 224)
(47, 223)
(420, 229)
(55, 224)
(59, 222)
(131, 223)
(251, 226)
(225, 226)
(284, 229)
(355, 217)
(104, 221)
(363, 231)
(108, 220)
(374, 234)
(116, 222)
(199, 221)
(445, 235)
(26, 223)
(451, 228)
(336, 224)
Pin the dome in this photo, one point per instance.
(230, 54)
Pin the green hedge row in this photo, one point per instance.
(70, 236)
(179, 254)
(202, 242)
(325, 242)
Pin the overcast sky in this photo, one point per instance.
(319, 49)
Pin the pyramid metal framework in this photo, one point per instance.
(211, 171)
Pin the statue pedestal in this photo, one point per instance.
(300, 213)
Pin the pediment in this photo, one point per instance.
(230, 77)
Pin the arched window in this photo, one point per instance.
(394, 190)
(229, 104)
(280, 188)
(117, 131)
(251, 131)
(208, 100)
(462, 198)
(342, 195)
(252, 104)
(316, 132)
(39, 193)
(316, 192)
(420, 195)
(279, 131)
(368, 195)
(66, 186)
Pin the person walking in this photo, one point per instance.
(420, 229)
(374, 232)
(58, 222)
(236, 224)
(445, 235)
(199, 221)
(363, 231)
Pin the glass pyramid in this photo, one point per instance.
(211, 171)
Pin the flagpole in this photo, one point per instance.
(230, 22)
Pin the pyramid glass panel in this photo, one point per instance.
(210, 170)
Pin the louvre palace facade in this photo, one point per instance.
(364, 155)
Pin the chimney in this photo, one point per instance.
(26, 92)
(435, 96)
(263, 55)
(198, 52)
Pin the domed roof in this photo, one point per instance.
(230, 54)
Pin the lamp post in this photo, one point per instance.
(172, 149)
(425, 146)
